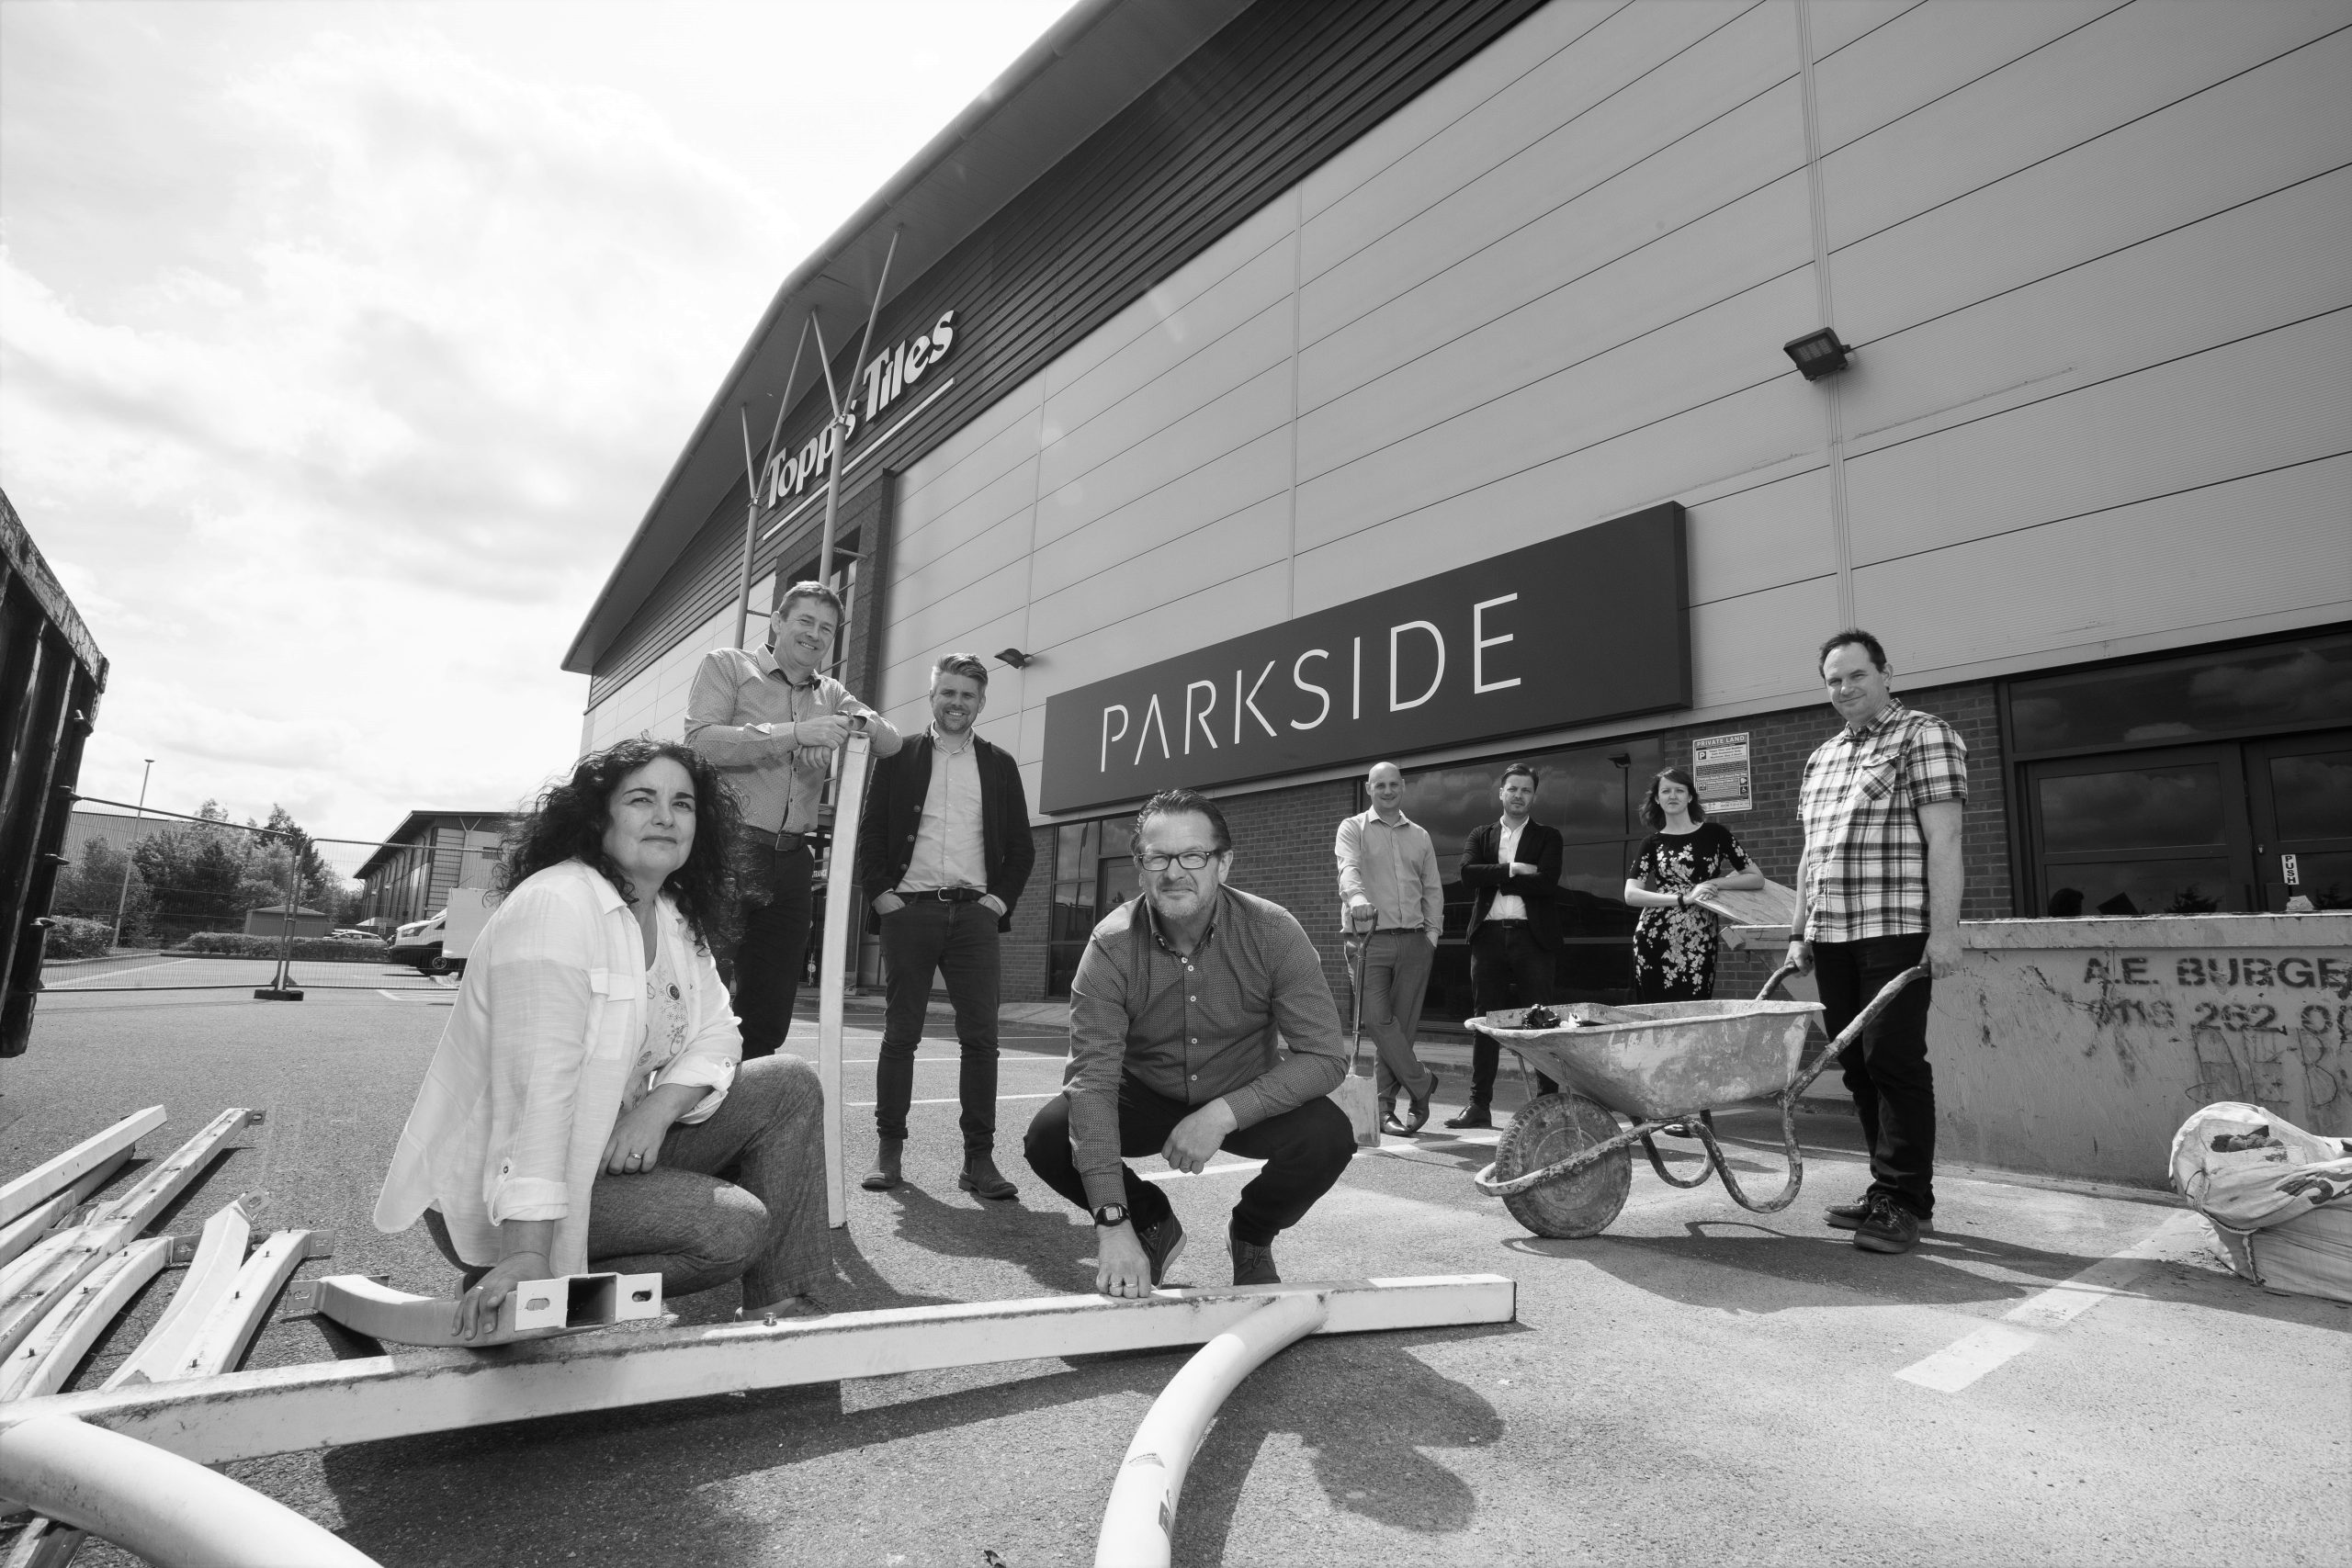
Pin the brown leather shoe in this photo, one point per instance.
(884, 1173)
(982, 1179)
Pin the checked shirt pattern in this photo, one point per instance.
(1868, 870)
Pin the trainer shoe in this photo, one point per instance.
(1163, 1243)
(1888, 1227)
(1252, 1264)
(1847, 1217)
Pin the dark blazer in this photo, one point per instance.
(894, 796)
(1538, 846)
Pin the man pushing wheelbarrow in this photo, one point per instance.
(1877, 918)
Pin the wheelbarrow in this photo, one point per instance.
(1563, 1166)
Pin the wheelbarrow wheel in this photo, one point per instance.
(1545, 1132)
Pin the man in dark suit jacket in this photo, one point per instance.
(944, 851)
(1513, 867)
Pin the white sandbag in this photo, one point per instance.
(2247, 1168)
(2279, 1198)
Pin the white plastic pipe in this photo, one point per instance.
(1139, 1521)
(169, 1510)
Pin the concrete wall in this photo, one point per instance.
(2095, 258)
(2078, 1047)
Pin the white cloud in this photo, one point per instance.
(342, 348)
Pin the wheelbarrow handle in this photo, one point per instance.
(1782, 973)
(1853, 1031)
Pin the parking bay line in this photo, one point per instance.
(1967, 1358)
(1001, 1099)
(1243, 1167)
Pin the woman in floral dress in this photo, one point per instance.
(1683, 862)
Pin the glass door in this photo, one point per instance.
(2154, 832)
(2300, 790)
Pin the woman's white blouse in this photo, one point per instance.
(537, 1060)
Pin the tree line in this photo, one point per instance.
(201, 876)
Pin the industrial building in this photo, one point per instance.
(1290, 385)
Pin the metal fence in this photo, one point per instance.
(203, 972)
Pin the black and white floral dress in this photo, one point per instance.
(1674, 949)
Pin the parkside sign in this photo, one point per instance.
(1589, 625)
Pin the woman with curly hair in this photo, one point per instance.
(590, 1087)
(1681, 863)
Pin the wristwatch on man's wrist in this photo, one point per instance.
(1111, 1214)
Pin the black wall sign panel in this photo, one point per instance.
(1589, 625)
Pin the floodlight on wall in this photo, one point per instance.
(1818, 354)
(1015, 658)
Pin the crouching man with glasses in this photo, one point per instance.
(1173, 1016)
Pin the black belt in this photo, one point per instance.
(789, 841)
(947, 895)
(1397, 931)
(1483, 924)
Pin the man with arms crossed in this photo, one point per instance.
(1395, 904)
(944, 852)
(1513, 868)
(1878, 891)
(772, 723)
(1172, 1019)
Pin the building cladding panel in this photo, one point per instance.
(1276, 338)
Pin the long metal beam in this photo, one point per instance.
(56, 1213)
(218, 1255)
(27, 1191)
(156, 1189)
(291, 1409)
(237, 1316)
(51, 1353)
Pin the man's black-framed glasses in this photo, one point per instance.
(1190, 860)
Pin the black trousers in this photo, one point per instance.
(774, 946)
(959, 942)
(1509, 968)
(1887, 1070)
(1304, 1148)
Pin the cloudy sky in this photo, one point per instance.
(342, 345)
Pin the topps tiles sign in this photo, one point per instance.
(1590, 625)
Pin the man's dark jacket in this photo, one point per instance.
(1538, 846)
(894, 796)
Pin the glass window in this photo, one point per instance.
(2324, 878)
(2132, 808)
(2312, 794)
(2289, 685)
(2192, 887)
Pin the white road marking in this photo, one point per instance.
(1242, 1166)
(115, 974)
(1025, 1058)
(1965, 1360)
(869, 1104)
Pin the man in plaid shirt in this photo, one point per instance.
(1878, 892)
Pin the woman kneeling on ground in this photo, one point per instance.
(589, 1088)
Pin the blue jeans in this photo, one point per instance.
(959, 943)
(683, 1222)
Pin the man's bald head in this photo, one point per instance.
(1385, 784)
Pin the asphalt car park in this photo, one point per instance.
(2061, 1372)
